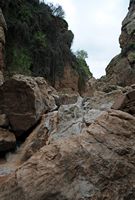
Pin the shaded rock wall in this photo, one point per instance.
(69, 80)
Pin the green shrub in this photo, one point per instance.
(21, 61)
(82, 66)
(25, 14)
(40, 39)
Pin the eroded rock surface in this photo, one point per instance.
(97, 164)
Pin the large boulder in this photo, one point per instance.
(7, 140)
(24, 100)
(97, 164)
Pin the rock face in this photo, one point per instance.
(7, 140)
(121, 69)
(90, 88)
(24, 100)
(97, 164)
(69, 80)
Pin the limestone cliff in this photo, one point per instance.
(121, 70)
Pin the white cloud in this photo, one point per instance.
(96, 26)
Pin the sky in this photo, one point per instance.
(96, 25)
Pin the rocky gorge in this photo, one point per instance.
(57, 143)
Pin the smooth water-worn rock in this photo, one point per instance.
(91, 116)
(69, 120)
(7, 140)
(72, 119)
(97, 164)
(24, 99)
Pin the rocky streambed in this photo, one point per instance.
(65, 146)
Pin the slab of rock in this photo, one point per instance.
(91, 116)
(126, 102)
(101, 100)
(39, 136)
(7, 140)
(24, 100)
(70, 121)
(97, 164)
